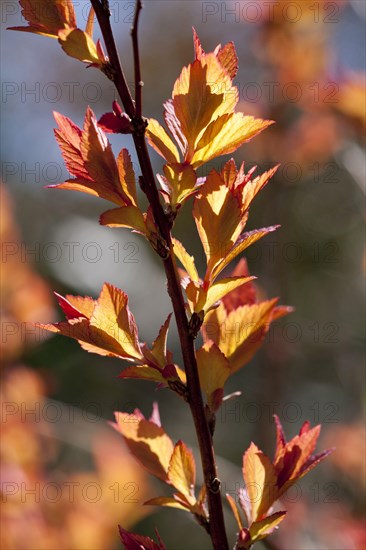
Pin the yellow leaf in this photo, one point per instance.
(194, 103)
(159, 139)
(146, 372)
(245, 240)
(213, 370)
(185, 259)
(148, 442)
(47, 18)
(181, 179)
(182, 471)
(90, 23)
(159, 349)
(202, 92)
(84, 304)
(143, 372)
(240, 332)
(127, 177)
(218, 290)
(127, 216)
(261, 529)
(235, 511)
(170, 502)
(218, 217)
(196, 296)
(252, 188)
(260, 481)
(112, 317)
(78, 44)
(225, 134)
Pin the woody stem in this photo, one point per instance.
(216, 523)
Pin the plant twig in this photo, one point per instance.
(101, 8)
(217, 525)
(136, 59)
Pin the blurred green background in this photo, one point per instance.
(301, 64)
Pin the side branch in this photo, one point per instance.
(101, 8)
(136, 59)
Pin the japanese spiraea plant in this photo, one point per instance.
(201, 123)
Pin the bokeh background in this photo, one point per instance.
(67, 479)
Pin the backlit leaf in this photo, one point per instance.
(159, 139)
(112, 316)
(260, 481)
(213, 370)
(235, 510)
(240, 332)
(127, 216)
(78, 44)
(219, 289)
(88, 156)
(181, 179)
(264, 527)
(185, 259)
(225, 134)
(148, 443)
(182, 470)
(127, 177)
(244, 241)
(47, 18)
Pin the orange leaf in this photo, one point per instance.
(244, 241)
(235, 511)
(90, 22)
(252, 188)
(228, 58)
(182, 471)
(240, 332)
(186, 260)
(99, 161)
(225, 134)
(213, 370)
(47, 18)
(112, 316)
(143, 372)
(261, 529)
(148, 443)
(88, 156)
(181, 180)
(218, 290)
(159, 349)
(194, 102)
(218, 216)
(104, 326)
(127, 216)
(78, 44)
(159, 139)
(196, 296)
(146, 372)
(260, 480)
(127, 177)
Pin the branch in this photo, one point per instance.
(101, 8)
(136, 59)
(217, 525)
